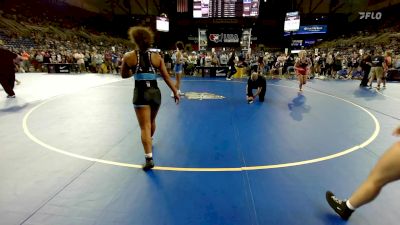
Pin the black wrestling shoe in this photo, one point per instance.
(148, 164)
(338, 205)
(10, 96)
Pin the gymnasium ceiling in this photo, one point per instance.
(138, 7)
(154, 7)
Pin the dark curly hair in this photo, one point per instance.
(141, 37)
(179, 45)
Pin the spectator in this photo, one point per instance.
(366, 63)
(377, 69)
(7, 72)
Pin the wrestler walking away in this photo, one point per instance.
(142, 64)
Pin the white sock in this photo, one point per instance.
(148, 155)
(350, 206)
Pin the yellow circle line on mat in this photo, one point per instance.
(188, 169)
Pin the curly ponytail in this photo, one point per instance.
(141, 37)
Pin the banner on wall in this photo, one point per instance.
(310, 29)
(297, 43)
(220, 38)
(309, 42)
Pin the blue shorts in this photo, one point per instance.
(178, 68)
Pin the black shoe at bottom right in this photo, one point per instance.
(148, 164)
(338, 205)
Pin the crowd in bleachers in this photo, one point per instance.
(41, 48)
(327, 63)
(56, 36)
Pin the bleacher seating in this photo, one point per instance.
(17, 42)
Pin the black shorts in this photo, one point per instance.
(146, 92)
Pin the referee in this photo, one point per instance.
(256, 82)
